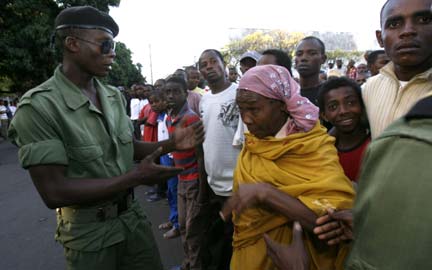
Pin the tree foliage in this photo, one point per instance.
(260, 41)
(25, 30)
(338, 44)
(124, 72)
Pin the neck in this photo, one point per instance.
(407, 73)
(351, 139)
(219, 86)
(175, 111)
(309, 81)
(82, 80)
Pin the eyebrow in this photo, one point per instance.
(415, 14)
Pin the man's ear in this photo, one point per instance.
(71, 44)
(378, 35)
(324, 58)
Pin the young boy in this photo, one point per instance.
(341, 104)
(191, 195)
(157, 101)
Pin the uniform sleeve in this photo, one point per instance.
(38, 142)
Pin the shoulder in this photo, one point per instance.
(38, 94)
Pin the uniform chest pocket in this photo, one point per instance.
(84, 153)
(125, 137)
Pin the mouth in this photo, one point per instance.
(407, 47)
(303, 66)
(345, 122)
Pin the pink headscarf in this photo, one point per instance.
(275, 82)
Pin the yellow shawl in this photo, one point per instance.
(303, 165)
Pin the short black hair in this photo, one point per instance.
(179, 80)
(382, 11)
(321, 44)
(334, 83)
(373, 56)
(157, 94)
(218, 53)
(282, 58)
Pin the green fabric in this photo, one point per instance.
(55, 123)
(137, 251)
(392, 221)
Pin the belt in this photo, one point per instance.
(97, 214)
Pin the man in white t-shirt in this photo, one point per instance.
(3, 120)
(220, 116)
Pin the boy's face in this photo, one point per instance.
(175, 95)
(193, 79)
(342, 108)
(157, 104)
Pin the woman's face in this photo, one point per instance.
(263, 116)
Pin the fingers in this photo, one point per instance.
(343, 215)
(323, 219)
(272, 246)
(297, 233)
(152, 157)
(198, 128)
(227, 209)
(329, 226)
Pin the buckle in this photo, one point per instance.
(100, 214)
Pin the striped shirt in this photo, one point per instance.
(386, 99)
(186, 159)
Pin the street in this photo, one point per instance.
(27, 226)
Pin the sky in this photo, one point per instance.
(164, 35)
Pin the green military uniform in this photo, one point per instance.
(55, 123)
(392, 219)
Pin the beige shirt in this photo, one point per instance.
(386, 100)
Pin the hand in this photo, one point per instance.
(247, 195)
(150, 173)
(335, 227)
(290, 257)
(188, 137)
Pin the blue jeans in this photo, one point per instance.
(171, 192)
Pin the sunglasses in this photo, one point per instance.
(105, 46)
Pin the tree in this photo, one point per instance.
(124, 72)
(25, 30)
(260, 41)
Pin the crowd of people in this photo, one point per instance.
(310, 166)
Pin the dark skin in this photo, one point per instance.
(335, 227)
(406, 35)
(213, 70)
(289, 257)
(81, 62)
(256, 112)
(308, 60)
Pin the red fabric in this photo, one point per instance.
(351, 160)
(150, 128)
(187, 158)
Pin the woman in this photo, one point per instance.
(287, 171)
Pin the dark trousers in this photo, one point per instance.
(192, 221)
(218, 236)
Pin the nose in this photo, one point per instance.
(343, 109)
(246, 118)
(408, 29)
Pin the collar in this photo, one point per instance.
(181, 113)
(389, 71)
(72, 95)
(422, 109)
(282, 133)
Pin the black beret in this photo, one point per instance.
(86, 17)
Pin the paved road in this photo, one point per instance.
(27, 226)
